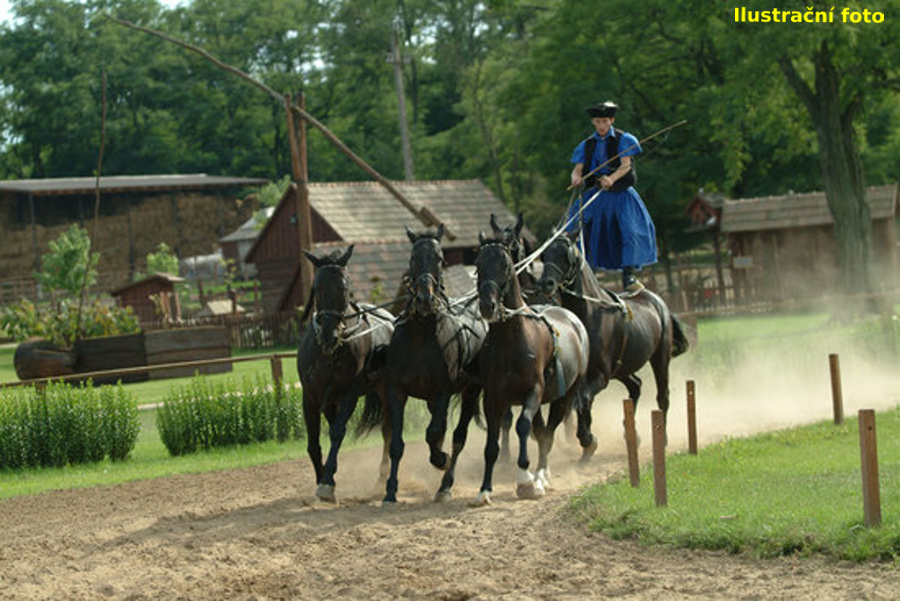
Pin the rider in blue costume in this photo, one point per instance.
(618, 232)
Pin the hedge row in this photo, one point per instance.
(205, 414)
(63, 424)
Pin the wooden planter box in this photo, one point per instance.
(131, 350)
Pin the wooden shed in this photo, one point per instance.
(783, 247)
(188, 212)
(367, 215)
(152, 299)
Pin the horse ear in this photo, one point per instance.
(312, 258)
(346, 257)
(495, 226)
(411, 235)
(520, 222)
(440, 232)
(481, 238)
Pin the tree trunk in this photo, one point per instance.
(843, 177)
(841, 166)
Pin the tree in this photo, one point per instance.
(66, 266)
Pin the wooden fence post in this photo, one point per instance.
(868, 450)
(837, 395)
(277, 372)
(659, 458)
(692, 417)
(634, 471)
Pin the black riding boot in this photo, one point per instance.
(629, 281)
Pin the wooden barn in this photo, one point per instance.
(370, 217)
(188, 212)
(783, 247)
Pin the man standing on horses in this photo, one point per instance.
(617, 229)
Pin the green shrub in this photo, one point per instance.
(206, 414)
(61, 325)
(66, 425)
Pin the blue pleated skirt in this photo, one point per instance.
(618, 231)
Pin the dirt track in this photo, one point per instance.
(259, 534)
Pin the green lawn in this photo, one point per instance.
(796, 491)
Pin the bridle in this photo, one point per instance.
(341, 327)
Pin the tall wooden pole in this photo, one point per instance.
(301, 197)
(397, 60)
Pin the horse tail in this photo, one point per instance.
(680, 343)
(372, 415)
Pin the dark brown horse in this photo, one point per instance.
(625, 333)
(433, 356)
(342, 356)
(532, 356)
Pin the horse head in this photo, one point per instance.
(561, 264)
(497, 283)
(331, 296)
(426, 278)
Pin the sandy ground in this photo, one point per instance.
(260, 534)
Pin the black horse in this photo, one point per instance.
(625, 332)
(532, 355)
(342, 356)
(432, 356)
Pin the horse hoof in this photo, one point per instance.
(529, 490)
(441, 462)
(588, 451)
(482, 500)
(542, 479)
(442, 496)
(325, 492)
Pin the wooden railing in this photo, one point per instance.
(274, 359)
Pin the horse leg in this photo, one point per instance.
(586, 438)
(525, 487)
(397, 404)
(505, 427)
(660, 364)
(491, 450)
(633, 384)
(467, 412)
(338, 419)
(437, 428)
(545, 433)
(312, 418)
(385, 466)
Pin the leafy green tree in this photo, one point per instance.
(67, 267)
(163, 260)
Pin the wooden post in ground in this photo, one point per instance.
(277, 372)
(634, 471)
(692, 417)
(868, 450)
(659, 458)
(837, 395)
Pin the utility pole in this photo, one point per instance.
(398, 60)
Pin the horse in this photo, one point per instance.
(342, 356)
(432, 356)
(625, 332)
(533, 355)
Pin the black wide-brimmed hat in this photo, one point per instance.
(603, 109)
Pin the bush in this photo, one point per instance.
(66, 425)
(204, 414)
(26, 320)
